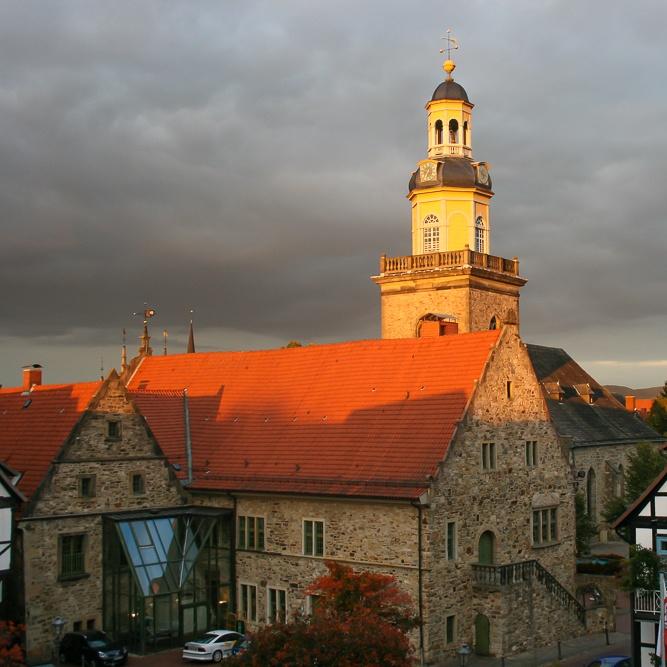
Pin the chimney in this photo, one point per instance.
(433, 326)
(32, 376)
(630, 403)
(429, 329)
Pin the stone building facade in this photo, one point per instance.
(109, 464)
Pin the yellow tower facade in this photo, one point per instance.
(451, 276)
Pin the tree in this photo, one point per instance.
(11, 653)
(361, 618)
(645, 463)
(657, 416)
(584, 526)
(643, 569)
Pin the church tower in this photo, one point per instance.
(451, 281)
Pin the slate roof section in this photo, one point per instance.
(604, 421)
(368, 418)
(34, 426)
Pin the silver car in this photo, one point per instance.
(214, 645)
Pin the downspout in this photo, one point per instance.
(420, 575)
(188, 439)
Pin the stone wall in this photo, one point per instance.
(604, 460)
(58, 509)
(500, 500)
(472, 300)
(367, 535)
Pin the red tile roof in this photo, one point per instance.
(33, 427)
(370, 418)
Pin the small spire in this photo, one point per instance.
(165, 335)
(191, 337)
(123, 354)
(452, 45)
(145, 349)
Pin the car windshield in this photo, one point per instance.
(208, 638)
(98, 641)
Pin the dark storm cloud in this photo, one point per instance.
(251, 160)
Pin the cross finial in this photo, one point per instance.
(452, 45)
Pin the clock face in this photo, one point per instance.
(427, 171)
(482, 174)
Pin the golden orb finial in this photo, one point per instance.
(452, 45)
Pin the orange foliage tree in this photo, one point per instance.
(11, 653)
(360, 618)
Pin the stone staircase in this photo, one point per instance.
(501, 576)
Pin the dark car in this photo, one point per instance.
(91, 648)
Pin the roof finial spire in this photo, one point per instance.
(123, 354)
(165, 335)
(191, 336)
(145, 348)
(452, 45)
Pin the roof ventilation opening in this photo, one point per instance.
(586, 392)
(32, 377)
(433, 325)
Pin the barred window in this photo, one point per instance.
(451, 540)
(87, 486)
(450, 633)
(72, 560)
(138, 485)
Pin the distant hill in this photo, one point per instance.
(621, 392)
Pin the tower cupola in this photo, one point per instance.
(451, 269)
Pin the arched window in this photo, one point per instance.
(619, 486)
(453, 131)
(480, 235)
(493, 324)
(486, 549)
(431, 233)
(438, 132)
(465, 133)
(591, 500)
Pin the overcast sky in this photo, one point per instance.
(250, 160)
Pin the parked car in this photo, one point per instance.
(92, 648)
(214, 645)
(612, 661)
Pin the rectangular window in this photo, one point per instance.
(277, 605)
(313, 537)
(90, 624)
(113, 430)
(545, 526)
(450, 624)
(72, 555)
(87, 486)
(531, 453)
(248, 599)
(488, 456)
(508, 389)
(251, 533)
(311, 604)
(451, 540)
(138, 486)
(76, 626)
(431, 239)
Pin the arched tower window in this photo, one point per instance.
(438, 132)
(453, 131)
(465, 133)
(431, 233)
(480, 235)
(493, 324)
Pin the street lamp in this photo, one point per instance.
(58, 623)
(464, 652)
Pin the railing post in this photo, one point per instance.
(516, 265)
(383, 263)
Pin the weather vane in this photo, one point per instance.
(452, 44)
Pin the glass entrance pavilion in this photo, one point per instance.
(167, 575)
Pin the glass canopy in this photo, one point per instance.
(167, 577)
